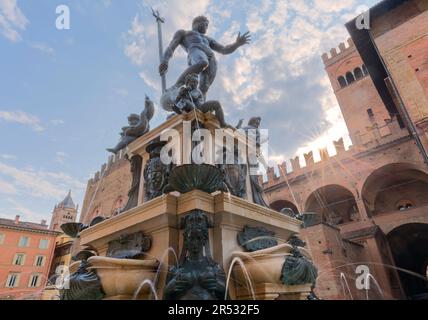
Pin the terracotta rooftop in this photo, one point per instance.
(31, 226)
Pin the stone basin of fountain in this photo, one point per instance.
(263, 266)
(121, 278)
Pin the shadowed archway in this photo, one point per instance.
(409, 247)
(395, 187)
(335, 203)
(281, 204)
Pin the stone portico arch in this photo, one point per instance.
(278, 205)
(334, 202)
(396, 186)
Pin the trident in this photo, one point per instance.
(159, 21)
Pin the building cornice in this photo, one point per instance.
(33, 230)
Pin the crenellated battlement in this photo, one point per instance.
(375, 136)
(112, 162)
(337, 53)
(309, 161)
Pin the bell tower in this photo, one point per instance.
(361, 106)
(64, 212)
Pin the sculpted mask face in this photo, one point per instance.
(195, 233)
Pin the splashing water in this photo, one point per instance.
(368, 277)
(161, 262)
(246, 275)
(140, 287)
(342, 281)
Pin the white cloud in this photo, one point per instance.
(106, 3)
(25, 214)
(60, 156)
(43, 47)
(22, 118)
(57, 122)
(12, 20)
(122, 92)
(6, 156)
(39, 183)
(7, 188)
(150, 80)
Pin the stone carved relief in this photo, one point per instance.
(155, 172)
(297, 269)
(131, 246)
(256, 238)
(235, 175)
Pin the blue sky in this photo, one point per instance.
(65, 94)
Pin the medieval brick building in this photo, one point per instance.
(371, 199)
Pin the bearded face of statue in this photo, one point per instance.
(201, 25)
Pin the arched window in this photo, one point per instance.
(404, 205)
(342, 82)
(358, 73)
(350, 77)
(365, 71)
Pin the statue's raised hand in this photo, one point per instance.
(163, 68)
(244, 39)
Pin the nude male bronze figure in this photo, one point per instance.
(200, 52)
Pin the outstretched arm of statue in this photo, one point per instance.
(240, 41)
(175, 42)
